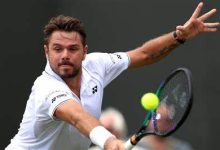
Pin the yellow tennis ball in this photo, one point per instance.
(150, 101)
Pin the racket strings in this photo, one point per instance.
(174, 98)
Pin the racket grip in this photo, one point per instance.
(128, 145)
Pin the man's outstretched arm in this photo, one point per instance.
(73, 113)
(157, 48)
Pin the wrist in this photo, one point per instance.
(99, 135)
(109, 141)
(177, 38)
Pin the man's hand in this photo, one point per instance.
(196, 25)
(114, 144)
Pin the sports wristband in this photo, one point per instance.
(176, 38)
(99, 135)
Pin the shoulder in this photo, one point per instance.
(95, 62)
(95, 57)
(48, 92)
(106, 59)
(45, 82)
(44, 85)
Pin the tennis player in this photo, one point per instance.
(64, 106)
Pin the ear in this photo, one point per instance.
(46, 51)
(85, 51)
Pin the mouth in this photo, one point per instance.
(65, 66)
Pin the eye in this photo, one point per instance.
(57, 48)
(73, 48)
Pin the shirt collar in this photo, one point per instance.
(86, 77)
(49, 71)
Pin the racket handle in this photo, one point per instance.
(128, 145)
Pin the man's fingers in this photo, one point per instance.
(210, 30)
(207, 15)
(212, 25)
(197, 10)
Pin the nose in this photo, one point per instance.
(65, 54)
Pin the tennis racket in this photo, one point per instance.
(176, 96)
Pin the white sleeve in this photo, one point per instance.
(107, 65)
(116, 63)
(55, 98)
(49, 94)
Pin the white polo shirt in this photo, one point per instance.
(39, 130)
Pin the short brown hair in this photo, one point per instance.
(64, 23)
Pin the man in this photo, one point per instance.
(65, 103)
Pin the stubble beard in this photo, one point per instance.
(67, 75)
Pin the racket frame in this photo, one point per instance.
(134, 139)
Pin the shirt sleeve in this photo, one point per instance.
(115, 64)
(107, 65)
(49, 94)
(56, 98)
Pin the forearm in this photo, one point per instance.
(91, 127)
(160, 47)
(153, 50)
(85, 123)
(74, 114)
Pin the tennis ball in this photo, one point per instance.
(150, 101)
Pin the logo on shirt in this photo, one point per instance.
(119, 56)
(115, 59)
(58, 96)
(94, 89)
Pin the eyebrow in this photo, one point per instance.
(69, 46)
(57, 44)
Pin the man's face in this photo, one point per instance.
(65, 53)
